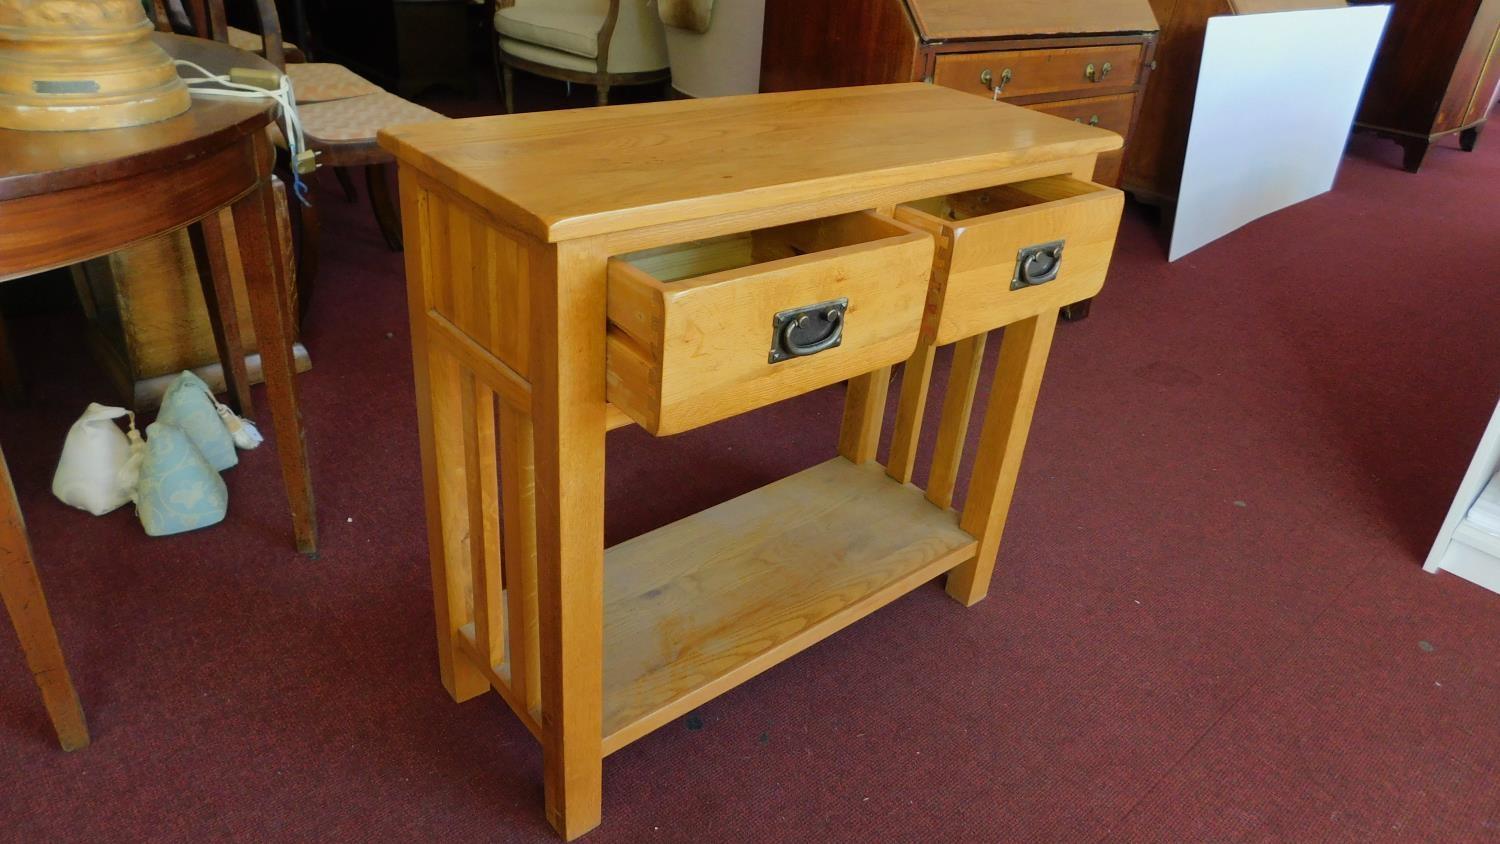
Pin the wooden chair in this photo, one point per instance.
(596, 42)
(341, 113)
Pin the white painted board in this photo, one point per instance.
(1276, 99)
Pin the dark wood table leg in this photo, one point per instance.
(265, 278)
(207, 238)
(21, 590)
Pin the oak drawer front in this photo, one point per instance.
(1034, 72)
(702, 331)
(1013, 251)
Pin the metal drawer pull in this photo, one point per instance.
(987, 79)
(807, 330)
(1093, 75)
(1093, 120)
(1037, 264)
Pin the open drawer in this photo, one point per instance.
(1008, 252)
(705, 330)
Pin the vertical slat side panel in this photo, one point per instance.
(518, 497)
(478, 413)
(434, 378)
(953, 427)
(916, 380)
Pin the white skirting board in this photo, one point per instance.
(1469, 546)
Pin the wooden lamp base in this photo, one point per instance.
(70, 65)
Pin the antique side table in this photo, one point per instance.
(674, 264)
(67, 197)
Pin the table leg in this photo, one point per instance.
(568, 403)
(212, 260)
(265, 279)
(21, 590)
(1007, 420)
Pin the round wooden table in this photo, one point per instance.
(66, 197)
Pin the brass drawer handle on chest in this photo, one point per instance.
(1093, 120)
(1093, 74)
(987, 79)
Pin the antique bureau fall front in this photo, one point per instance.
(674, 264)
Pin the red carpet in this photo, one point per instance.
(1209, 621)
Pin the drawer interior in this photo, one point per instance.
(956, 207)
(681, 262)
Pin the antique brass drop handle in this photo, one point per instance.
(987, 79)
(1093, 74)
(825, 321)
(1093, 120)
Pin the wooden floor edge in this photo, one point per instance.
(750, 668)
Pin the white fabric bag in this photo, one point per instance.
(100, 463)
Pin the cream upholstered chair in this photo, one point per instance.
(597, 42)
(714, 45)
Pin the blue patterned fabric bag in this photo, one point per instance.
(190, 407)
(178, 491)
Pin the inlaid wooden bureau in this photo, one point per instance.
(674, 264)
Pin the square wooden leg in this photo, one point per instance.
(1002, 440)
(212, 260)
(256, 232)
(21, 590)
(568, 427)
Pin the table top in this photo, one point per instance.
(567, 174)
(41, 162)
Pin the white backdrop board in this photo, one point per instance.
(1275, 102)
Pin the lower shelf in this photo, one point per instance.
(699, 606)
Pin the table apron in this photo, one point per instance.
(44, 231)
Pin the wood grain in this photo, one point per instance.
(952, 19)
(567, 174)
(689, 352)
(973, 294)
(698, 607)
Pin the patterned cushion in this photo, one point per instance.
(572, 31)
(250, 42)
(188, 405)
(316, 82)
(178, 490)
(359, 118)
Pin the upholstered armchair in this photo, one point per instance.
(596, 42)
(714, 46)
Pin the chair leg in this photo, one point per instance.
(378, 181)
(347, 183)
(601, 93)
(508, 84)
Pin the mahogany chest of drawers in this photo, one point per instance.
(1085, 60)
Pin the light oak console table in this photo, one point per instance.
(674, 264)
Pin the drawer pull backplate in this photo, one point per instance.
(1037, 264)
(807, 330)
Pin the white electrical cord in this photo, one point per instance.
(283, 96)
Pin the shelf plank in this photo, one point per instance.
(701, 605)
